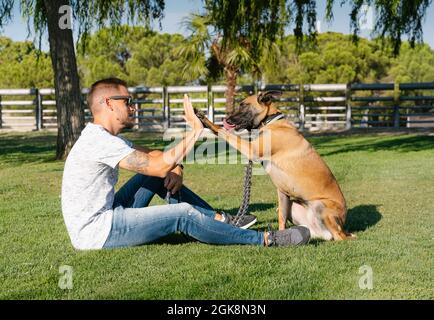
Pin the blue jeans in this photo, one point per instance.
(134, 223)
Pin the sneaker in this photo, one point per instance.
(293, 236)
(244, 222)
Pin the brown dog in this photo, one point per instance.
(308, 193)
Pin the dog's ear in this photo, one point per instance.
(268, 97)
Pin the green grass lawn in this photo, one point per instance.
(388, 182)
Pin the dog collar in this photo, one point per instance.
(272, 118)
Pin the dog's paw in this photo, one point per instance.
(206, 122)
(351, 236)
(201, 115)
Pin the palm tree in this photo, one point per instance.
(230, 58)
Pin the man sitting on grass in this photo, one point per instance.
(96, 217)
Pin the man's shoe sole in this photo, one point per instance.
(249, 224)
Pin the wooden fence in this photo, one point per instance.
(311, 106)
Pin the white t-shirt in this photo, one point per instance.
(90, 174)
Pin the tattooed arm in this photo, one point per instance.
(157, 163)
(145, 163)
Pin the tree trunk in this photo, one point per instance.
(231, 82)
(70, 113)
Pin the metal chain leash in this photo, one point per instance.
(242, 211)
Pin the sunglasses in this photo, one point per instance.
(128, 99)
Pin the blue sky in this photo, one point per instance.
(176, 10)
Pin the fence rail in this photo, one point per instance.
(310, 106)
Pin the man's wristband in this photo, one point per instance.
(180, 165)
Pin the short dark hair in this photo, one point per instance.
(104, 83)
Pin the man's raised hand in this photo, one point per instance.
(189, 115)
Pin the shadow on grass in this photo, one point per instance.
(26, 148)
(180, 238)
(399, 144)
(358, 219)
(41, 147)
(362, 217)
(336, 144)
(254, 208)
(176, 238)
(35, 147)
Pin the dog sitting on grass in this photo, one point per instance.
(308, 193)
